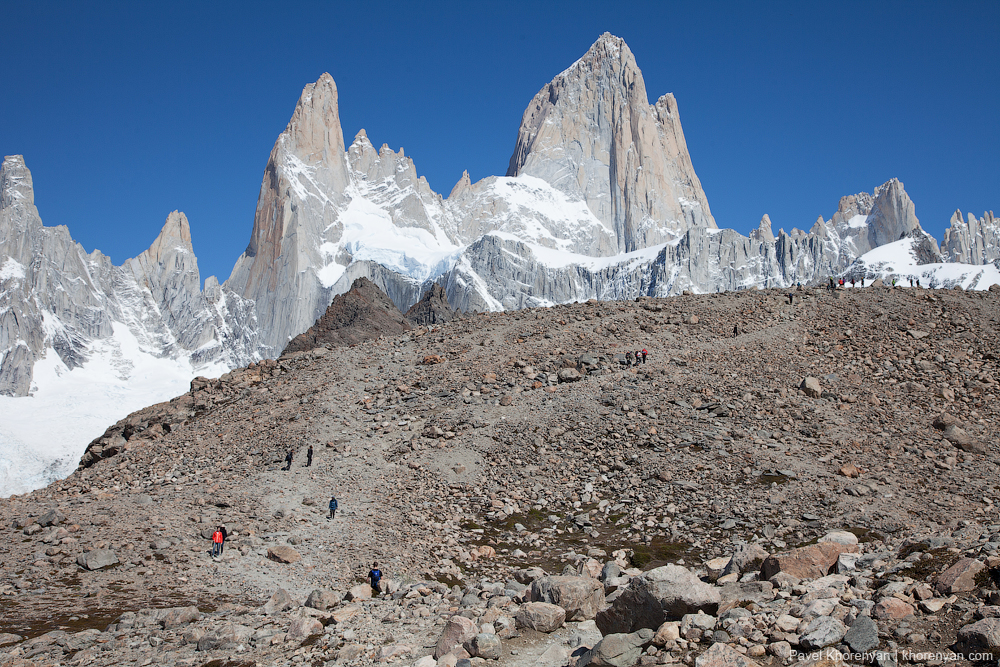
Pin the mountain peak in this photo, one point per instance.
(592, 134)
(15, 182)
(314, 133)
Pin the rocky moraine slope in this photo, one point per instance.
(778, 479)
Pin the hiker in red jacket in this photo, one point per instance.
(217, 540)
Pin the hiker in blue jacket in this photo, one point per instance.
(333, 507)
(374, 577)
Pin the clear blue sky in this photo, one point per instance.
(127, 111)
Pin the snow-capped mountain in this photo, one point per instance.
(600, 200)
(90, 341)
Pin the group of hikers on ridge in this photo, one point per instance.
(635, 358)
(841, 283)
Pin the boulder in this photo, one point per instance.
(283, 553)
(811, 387)
(484, 645)
(891, 609)
(960, 577)
(957, 436)
(662, 594)
(839, 537)
(821, 632)
(581, 597)
(323, 600)
(982, 635)
(457, 631)
(619, 650)
(300, 628)
(344, 613)
(50, 518)
(540, 616)
(738, 592)
(569, 375)
(667, 633)
(863, 635)
(809, 562)
(279, 601)
(723, 655)
(178, 616)
(96, 559)
(359, 592)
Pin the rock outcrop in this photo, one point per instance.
(362, 313)
(975, 241)
(432, 308)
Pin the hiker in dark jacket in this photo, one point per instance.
(333, 507)
(374, 578)
(309, 456)
(288, 460)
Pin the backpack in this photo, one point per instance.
(333, 503)
(375, 576)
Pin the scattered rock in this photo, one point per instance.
(97, 559)
(581, 597)
(540, 616)
(283, 554)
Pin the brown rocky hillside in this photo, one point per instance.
(823, 479)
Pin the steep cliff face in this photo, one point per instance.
(297, 211)
(975, 241)
(592, 134)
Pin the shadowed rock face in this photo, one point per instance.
(362, 313)
(432, 308)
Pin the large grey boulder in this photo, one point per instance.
(484, 645)
(581, 597)
(323, 600)
(280, 600)
(618, 649)
(863, 635)
(540, 616)
(663, 594)
(821, 632)
(982, 635)
(457, 631)
(96, 559)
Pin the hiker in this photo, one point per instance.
(736, 331)
(217, 542)
(333, 507)
(638, 357)
(841, 283)
(225, 536)
(911, 282)
(644, 355)
(288, 460)
(893, 283)
(918, 282)
(852, 283)
(373, 579)
(791, 298)
(309, 456)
